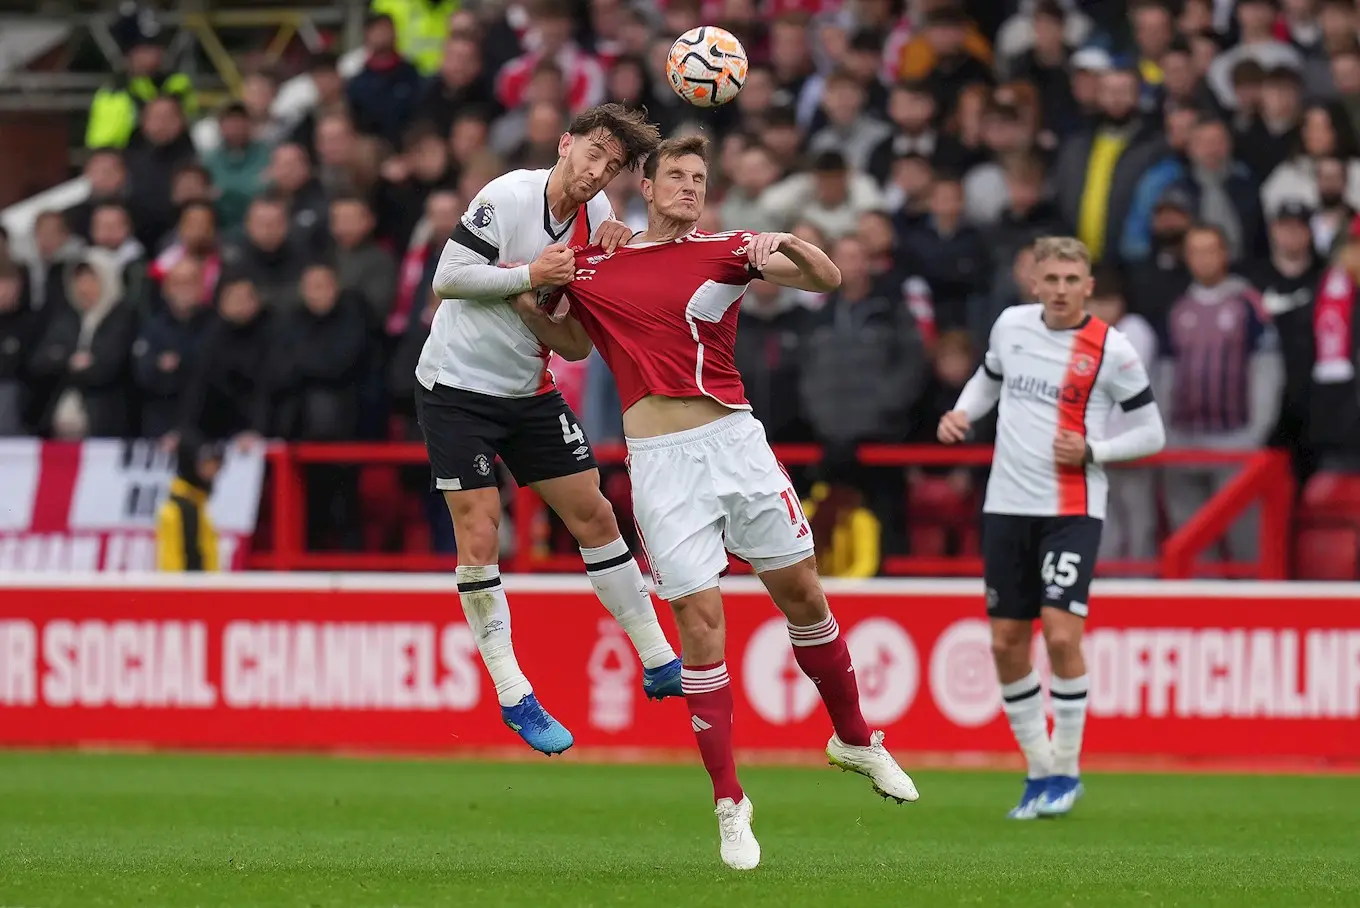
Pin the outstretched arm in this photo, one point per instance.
(784, 259)
(563, 336)
(464, 273)
(468, 266)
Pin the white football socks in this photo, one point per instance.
(1025, 709)
(488, 614)
(1069, 721)
(618, 583)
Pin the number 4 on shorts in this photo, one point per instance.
(571, 432)
(1063, 570)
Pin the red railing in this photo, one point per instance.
(1265, 477)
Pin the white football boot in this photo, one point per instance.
(738, 848)
(874, 762)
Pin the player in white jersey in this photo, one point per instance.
(1057, 373)
(485, 392)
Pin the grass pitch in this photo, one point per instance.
(85, 830)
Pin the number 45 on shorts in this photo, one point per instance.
(1060, 569)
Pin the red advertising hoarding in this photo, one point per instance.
(1188, 670)
(92, 505)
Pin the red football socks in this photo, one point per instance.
(823, 656)
(708, 693)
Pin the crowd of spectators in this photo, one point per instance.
(260, 274)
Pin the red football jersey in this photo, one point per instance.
(664, 315)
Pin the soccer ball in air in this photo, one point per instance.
(707, 66)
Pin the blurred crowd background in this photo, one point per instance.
(263, 268)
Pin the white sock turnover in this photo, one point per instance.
(1025, 709)
(1069, 722)
(618, 583)
(488, 614)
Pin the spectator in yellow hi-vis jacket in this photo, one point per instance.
(422, 29)
(116, 107)
(185, 538)
(847, 534)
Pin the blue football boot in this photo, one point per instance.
(663, 681)
(1060, 796)
(1033, 795)
(531, 721)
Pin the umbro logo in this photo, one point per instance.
(698, 724)
(582, 452)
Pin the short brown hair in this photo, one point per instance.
(637, 136)
(677, 147)
(1061, 248)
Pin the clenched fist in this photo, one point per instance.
(954, 427)
(554, 268)
(1069, 448)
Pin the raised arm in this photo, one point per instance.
(784, 259)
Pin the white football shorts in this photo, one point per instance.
(704, 492)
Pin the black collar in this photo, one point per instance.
(1077, 327)
(547, 213)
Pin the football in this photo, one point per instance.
(707, 66)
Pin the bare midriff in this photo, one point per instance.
(656, 415)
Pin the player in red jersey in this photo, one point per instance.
(662, 310)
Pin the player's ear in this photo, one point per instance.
(646, 188)
(564, 145)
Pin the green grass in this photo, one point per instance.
(112, 830)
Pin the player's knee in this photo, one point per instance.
(800, 597)
(1064, 643)
(478, 542)
(1010, 645)
(699, 620)
(476, 527)
(592, 522)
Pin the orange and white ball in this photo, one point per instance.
(707, 66)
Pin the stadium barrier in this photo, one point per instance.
(1265, 478)
(1199, 669)
(92, 505)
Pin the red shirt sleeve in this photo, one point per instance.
(729, 256)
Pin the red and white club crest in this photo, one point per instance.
(1083, 364)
